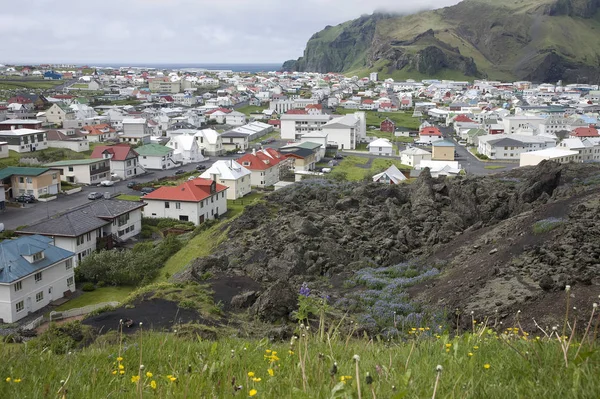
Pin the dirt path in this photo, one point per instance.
(45, 326)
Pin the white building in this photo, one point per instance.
(510, 146)
(235, 118)
(294, 126)
(24, 140)
(391, 175)
(156, 156)
(123, 159)
(345, 131)
(412, 156)
(194, 201)
(381, 147)
(552, 154)
(185, 148)
(373, 76)
(513, 123)
(33, 273)
(263, 167)
(4, 149)
(231, 174)
(588, 150)
(83, 171)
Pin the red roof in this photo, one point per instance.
(191, 191)
(19, 100)
(274, 122)
(367, 101)
(314, 106)
(463, 118)
(63, 96)
(224, 110)
(96, 130)
(261, 160)
(385, 105)
(296, 112)
(585, 132)
(431, 131)
(119, 151)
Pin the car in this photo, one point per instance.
(131, 184)
(147, 190)
(180, 172)
(338, 156)
(26, 198)
(192, 178)
(241, 152)
(107, 183)
(200, 167)
(114, 176)
(462, 142)
(94, 195)
(271, 140)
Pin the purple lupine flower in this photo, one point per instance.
(304, 290)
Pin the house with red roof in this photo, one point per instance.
(99, 133)
(386, 107)
(123, 159)
(368, 104)
(429, 134)
(588, 132)
(264, 165)
(314, 109)
(194, 201)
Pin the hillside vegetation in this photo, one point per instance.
(539, 40)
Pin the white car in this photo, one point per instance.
(107, 183)
(462, 142)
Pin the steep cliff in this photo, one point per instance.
(539, 40)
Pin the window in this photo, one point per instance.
(80, 240)
(39, 296)
(167, 205)
(183, 218)
(89, 236)
(69, 264)
(54, 176)
(71, 168)
(29, 180)
(70, 281)
(178, 205)
(38, 277)
(19, 306)
(18, 286)
(21, 180)
(37, 257)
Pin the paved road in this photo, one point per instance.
(33, 213)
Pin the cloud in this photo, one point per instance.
(176, 31)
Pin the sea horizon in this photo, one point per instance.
(222, 66)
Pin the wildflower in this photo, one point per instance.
(135, 378)
(413, 329)
(172, 379)
(595, 305)
(421, 329)
(345, 378)
(114, 372)
(368, 379)
(122, 372)
(356, 358)
(8, 379)
(470, 353)
(567, 288)
(486, 366)
(121, 367)
(271, 372)
(142, 367)
(438, 368)
(17, 380)
(119, 359)
(252, 392)
(447, 350)
(251, 374)
(257, 379)
(268, 350)
(153, 384)
(448, 345)
(149, 374)
(304, 290)
(475, 347)
(291, 352)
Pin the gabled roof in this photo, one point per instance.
(74, 162)
(119, 152)
(57, 135)
(393, 173)
(380, 143)
(226, 170)
(585, 132)
(21, 171)
(414, 151)
(13, 266)
(258, 161)
(153, 150)
(463, 118)
(102, 128)
(296, 152)
(191, 191)
(430, 131)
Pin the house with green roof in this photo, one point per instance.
(83, 171)
(156, 156)
(58, 113)
(34, 181)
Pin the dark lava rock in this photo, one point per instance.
(244, 300)
(275, 303)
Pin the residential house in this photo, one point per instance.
(235, 118)
(391, 175)
(438, 168)
(387, 125)
(235, 141)
(231, 174)
(560, 155)
(345, 131)
(263, 167)
(588, 150)
(194, 201)
(412, 156)
(209, 142)
(24, 140)
(586, 132)
(83, 171)
(3, 149)
(510, 146)
(33, 181)
(68, 138)
(58, 113)
(123, 159)
(156, 156)
(12, 124)
(164, 85)
(314, 109)
(300, 159)
(218, 115)
(100, 224)
(99, 133)
(515, 122)
(186, 149)
(135, 131)
(429, 134)
(33, 273)
(294, 126)
(381, 147)
(442, 150)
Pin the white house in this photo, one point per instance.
(83, 171)
(346, 131)
(263, 167)
(33, 273)
(123, 159)
(156, 156)
(25, 140)
(294, 126)
(185, 148)
(515, 122)
(556, 154)
(412, 156)
(429, 134)
(440, 168)
(589, 151)
(235, 118)
(58, 113)
(98, 225)
(231, 174)
(381, 147)
(209, 142)
(194, 201)
(68, 138)
(510, 146)
(3, 149)
(391, 175)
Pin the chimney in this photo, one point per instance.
(254, 151)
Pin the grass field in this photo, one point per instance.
(129, 197)
(389, 136)
(7, 84)
(99, 295)
(374, 118)
(493, 167)
(251, 109)
(354, 168)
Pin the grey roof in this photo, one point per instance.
(84, 219)
(13, 266)
(506, 142)
(301, 152)
(233, 133)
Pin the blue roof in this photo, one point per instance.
(13, 266)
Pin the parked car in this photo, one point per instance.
(26, 198)
(107, 183)
(338, 156)
(241, 152)
(147, 190)
(114, 176)
(462, 142)
(94, 195)
(131, 184)
(200, 167)
(180, 172)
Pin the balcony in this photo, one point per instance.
(99, 170)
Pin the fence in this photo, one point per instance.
(34, 323)
(80, 311)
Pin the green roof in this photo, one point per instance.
(443, 143)
(21, 171)
(476, 132)
(74, 162)
(153, 150)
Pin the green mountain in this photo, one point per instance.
(538, 40)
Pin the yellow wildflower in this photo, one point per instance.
(448, 345)
(114, 372)
(345, 378)
(122, 372)
(135, 378)
(257, 379)
(172, 379)
(475, 347)
(421, 329)
(251, 374)
(486, 366)
(252, 392)
(17, 380)
(447, 350)
(153, 384)
(121, 367)
(413, 329)
(149, 374)
(268, 350)
(8, 379)
(470, 354)
(271, 372)
(291, 352)
(119, 359)
(273, 353)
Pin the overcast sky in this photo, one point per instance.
(175, 31)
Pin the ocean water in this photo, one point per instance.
(252, 68)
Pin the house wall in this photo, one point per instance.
(265, 178)
(157, 162)
(381, 150)
(210, 208)
(82, 246)
(345, 138)
(134, 129)
(53, 285)
(443, 153)
(46, 183)
(3, 150)
(414, 160)
(235, 120)
(26, 142)
(128, 229)
(429, 139)
(532, 159)
(235, 143)
(77, 146)
(126, 169)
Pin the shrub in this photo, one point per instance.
(546, 225)
(88, 287)
(482, 156)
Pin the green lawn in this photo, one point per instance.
(13, 159)
(129, 197)
(350, 167)
(33, 84)
(275, 134)
(251, 109)
(374, 118)
(493, 167)
(104, 294)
